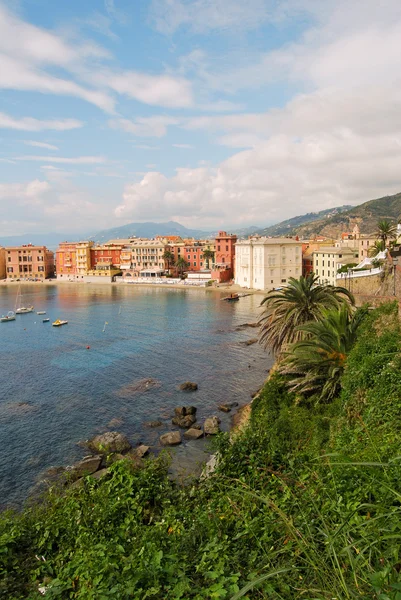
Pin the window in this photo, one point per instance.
(322, 263)
(41, 269)
(283, 281)
(340, 256)
(10, 270)
(322, 273)
(218, 248)
(194, 264)
(271, 280)
(223, 260)
(317, 263)
(188, 257)
(9, 259)
(226, 248)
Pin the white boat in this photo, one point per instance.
(10, 316)
(59, 323)
(41, 312)
(22, 310)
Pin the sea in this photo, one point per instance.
(117, 364)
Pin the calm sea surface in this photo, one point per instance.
(55, 392)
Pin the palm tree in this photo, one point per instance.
(377, 247)
(208, 254)
(385, 231)
(314, 364)
(301, 301)
(168, 257)
(181, 264)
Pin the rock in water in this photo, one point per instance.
(171, 439)
(184, 422)
(212, 426)
(140, 451)
(224, 408)
(152, 424)
(111, 441)
(193, 434)
(188, 386)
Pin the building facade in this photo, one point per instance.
(327, 261)
(267, 263)
(3, 273)
(66, 261)
(224, 260)
(29, 262)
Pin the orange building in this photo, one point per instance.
(66, 260)
(2, 263)
(29, 262)
(224, 260)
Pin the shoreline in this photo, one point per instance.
(177, 286)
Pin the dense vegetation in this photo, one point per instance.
(304, 504)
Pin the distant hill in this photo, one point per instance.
(51, 240)
(148, 230)
(291, 226)
(365, 215)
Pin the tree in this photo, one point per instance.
(377, 247)
(181, 264)
(168, 257)
(208, 254)
(301, 301)
(315, 364)
(386, 231)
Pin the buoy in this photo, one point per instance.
(88, 347)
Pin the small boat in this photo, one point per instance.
(59, 323)
(45, 320)
(41, 312)
(10, 316)
(232, 298)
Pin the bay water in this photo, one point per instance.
(117, 364)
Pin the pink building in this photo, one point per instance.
(224, 261)
(29, 262)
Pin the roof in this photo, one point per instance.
(263, 241)
(334, 250)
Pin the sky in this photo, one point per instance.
(213, 113)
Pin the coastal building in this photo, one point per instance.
(2, 263)
(144, 258)
(29, 262)
(84, 262)
(266, 263)
(308, 248)
(66, 261)
(327, 261)
(365, 242)
(224, 260)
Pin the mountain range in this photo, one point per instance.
(330, 223)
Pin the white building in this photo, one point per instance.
(266, 263)
(327, 260)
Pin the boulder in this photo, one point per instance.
(84, 467)
(171, 439)
(196, 426)
(193, 434)
(188, 386)
(139, 452)
(224, 408)
(190, 410)
(152, 424)
(108, 442)
(211, 426)
(184, 422)
(179, 411)
(100, 474)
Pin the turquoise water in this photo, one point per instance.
(54, 392)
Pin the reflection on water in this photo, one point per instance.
(55, 391)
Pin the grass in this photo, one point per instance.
(305, 504)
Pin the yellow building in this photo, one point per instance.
(83, 257)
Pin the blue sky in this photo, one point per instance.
(215, 113)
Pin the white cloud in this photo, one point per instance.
(40, 145)
(183, 146)
(78, 160)
(202, 16)
(23, 193)
(30, 124)
(146, 126)
(156, 90)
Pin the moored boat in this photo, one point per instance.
(45, 320)
(41, 312)
(22, 310)
(232, 298)
(59, 323)
(10, 316)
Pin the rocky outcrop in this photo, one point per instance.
(188, 386)
(193, 434)
(173, 438)
(211, 426)
(108, 442)
(86, 466)
(139, 452)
